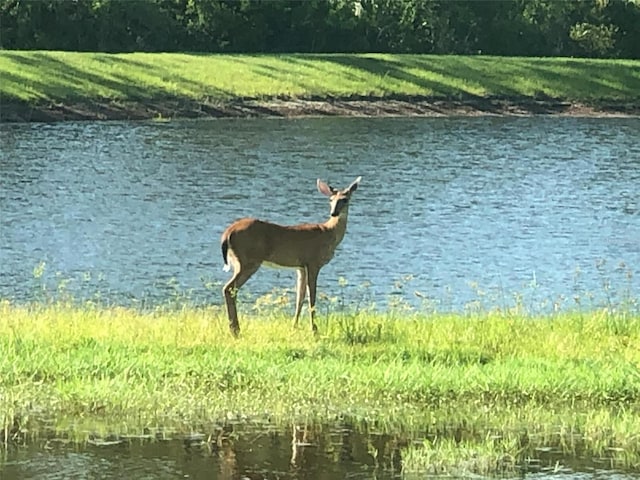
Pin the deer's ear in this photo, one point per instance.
(352, 188)
(324, 188)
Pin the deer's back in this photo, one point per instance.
(256, 241)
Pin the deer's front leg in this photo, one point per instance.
(301, 290)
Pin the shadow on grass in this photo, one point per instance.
(557, 77)
(386, 69)
(138, 87)
(116, 95)
(461, 86)
(601, 81)
(61, 79)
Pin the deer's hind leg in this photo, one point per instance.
(241, 273)
(312, 282)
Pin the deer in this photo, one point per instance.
(249, 242)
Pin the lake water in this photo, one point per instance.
(453, 213)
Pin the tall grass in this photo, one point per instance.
(43, 76)
(165, 367)
(483, 392)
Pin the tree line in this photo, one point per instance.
(585, 28)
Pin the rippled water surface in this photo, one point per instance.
(453, 212)
(299, 452)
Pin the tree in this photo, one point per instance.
(599, 28)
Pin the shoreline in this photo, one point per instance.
(396, 106)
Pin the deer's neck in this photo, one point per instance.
(337, 226)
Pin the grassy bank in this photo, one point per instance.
(112, 83)
(163, 366)
(568, 382)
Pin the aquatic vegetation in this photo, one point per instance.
(549, 442)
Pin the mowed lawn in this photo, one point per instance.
(38, 77)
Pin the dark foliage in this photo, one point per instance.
(597, 28)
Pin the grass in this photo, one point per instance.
(513, 385)
(38, 77)
(167, 365)
(541, 440)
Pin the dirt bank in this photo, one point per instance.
(363, 107)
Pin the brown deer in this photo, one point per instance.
(248, 243)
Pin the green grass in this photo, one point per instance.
(42, 76)
(541, 439)
(166, 365)
(570, 382)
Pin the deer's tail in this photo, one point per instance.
(225, 251)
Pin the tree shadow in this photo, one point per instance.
(137, 86)
(494, 74)
(63, 78)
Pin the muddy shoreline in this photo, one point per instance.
(316, 107)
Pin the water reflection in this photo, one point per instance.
(230, 452)
(313, 451)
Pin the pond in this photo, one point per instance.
(451, 214)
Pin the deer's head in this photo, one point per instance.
(339, 198)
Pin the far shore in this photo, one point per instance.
(398, 106)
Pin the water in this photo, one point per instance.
(237, 452)
(269, 452)
(453, 213)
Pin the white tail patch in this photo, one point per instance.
(226, 267)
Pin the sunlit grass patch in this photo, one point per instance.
(43, 76)
(372, 357)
